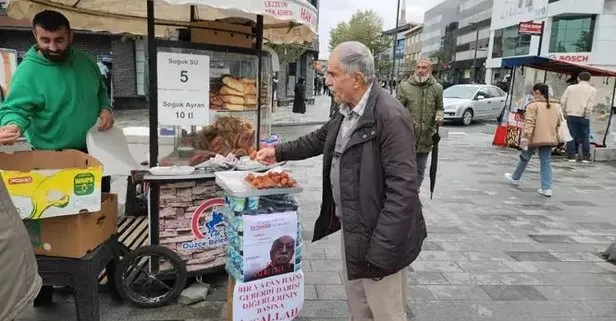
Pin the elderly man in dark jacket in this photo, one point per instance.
(369, 185)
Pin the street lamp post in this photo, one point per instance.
(473, 70)
(393, 64)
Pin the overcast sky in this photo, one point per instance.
(333, 11)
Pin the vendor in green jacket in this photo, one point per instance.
(57, 93)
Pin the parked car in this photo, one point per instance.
(467, 103)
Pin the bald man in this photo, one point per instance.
(282, 257)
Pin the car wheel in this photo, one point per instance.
(467, 117)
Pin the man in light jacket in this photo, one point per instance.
(369, 185)
(578, 103)
(18, 269)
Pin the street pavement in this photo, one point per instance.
(494, 252)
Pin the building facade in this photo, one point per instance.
(472, 38)
(412, 47)
(400, 48)
(580, 31)
(436, 21)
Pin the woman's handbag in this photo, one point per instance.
(564, 136)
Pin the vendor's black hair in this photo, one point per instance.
(51, 21)
(545, 91)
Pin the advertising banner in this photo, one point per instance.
(270, 245)
(277, 298)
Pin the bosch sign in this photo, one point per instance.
(574, 58)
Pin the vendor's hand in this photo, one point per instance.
(106, 120)
(9, 134)
(267, 155)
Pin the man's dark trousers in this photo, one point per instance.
(579, 128)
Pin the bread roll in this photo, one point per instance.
(234, 100)
(250, 106)
(250, 89)
(248, 81)
(233, 83)
(250, 99)
(226, 90)
(228, 106)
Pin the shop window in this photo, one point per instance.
(572, 34)
(508, 42)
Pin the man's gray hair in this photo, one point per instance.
(356, 57)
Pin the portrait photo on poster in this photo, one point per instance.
(269, 245)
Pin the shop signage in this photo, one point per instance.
(207, 233)
(276, 298)
(578, 58)
(290, 10)
(183, 89)
(530, 28)
(507, 13)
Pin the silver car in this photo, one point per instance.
(466, 103)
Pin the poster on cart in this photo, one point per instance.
(279, 298)
(269, 245)
(514, 129)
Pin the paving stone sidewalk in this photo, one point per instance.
(494, 252)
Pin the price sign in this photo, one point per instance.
(180, 108)
(183, 89)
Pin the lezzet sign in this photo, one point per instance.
(578, 58)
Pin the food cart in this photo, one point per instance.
(210, 84)
(528, 70)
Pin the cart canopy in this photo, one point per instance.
(554, 65)
(285, 21)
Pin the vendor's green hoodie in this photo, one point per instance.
(55, 104)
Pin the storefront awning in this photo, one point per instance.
(285, 21)
(553, 65)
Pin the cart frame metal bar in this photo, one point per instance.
(153, 44)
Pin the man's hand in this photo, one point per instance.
(9, 134)
(267, 155)
(439, 121)
(106, 120)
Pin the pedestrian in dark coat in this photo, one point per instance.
(369, 185)
(299, 101)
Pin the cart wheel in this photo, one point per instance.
(150, 276)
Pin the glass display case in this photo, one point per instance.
(234, 100)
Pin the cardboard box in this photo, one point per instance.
(45, 184)
(222, 34)
(75, 235)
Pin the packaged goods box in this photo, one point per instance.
(45, 184)
(74, 236)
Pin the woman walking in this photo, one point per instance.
(540, 134)
(299, 100)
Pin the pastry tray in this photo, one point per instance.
(234, 184)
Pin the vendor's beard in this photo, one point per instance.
(58, 57)
(421, 79)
